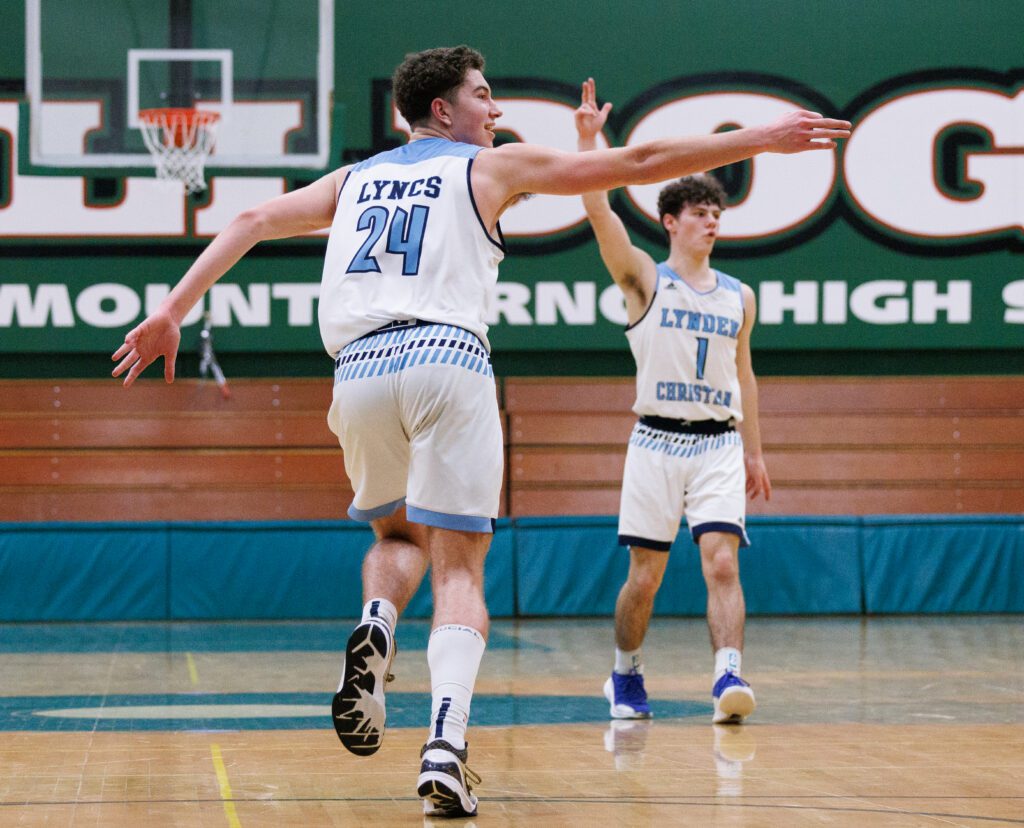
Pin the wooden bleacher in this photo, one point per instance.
(87, 450)
(833, 446)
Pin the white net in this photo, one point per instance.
(180, 140)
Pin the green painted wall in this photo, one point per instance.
(946, 301)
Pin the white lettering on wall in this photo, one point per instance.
(1013, 297)
(877, 302)
(108, 305)
(773, 303)
(507, 303)
(880, 302)
(301, 298)
(890, 163)
(51, 305)
(785, 190)
(231, 302)
(552, 299)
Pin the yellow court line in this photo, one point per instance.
(225, 787)
(193, 673)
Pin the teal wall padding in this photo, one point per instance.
(83, 572)
(944, 564)
(537, 566)
(574, 566)
(296, 570)
(802, 566)
(267, 570)
(568, 566)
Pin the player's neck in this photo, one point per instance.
(694, 270)
(430, 131)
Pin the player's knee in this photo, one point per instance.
(721, 567)
(645, 580)
(457, 575)
(719, 559)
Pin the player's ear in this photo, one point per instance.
(440, 109)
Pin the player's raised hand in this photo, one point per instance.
(802, 130)
(589, 119)
(157, 336)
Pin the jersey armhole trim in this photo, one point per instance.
(337, 201)
(647, 310)
(472, 200)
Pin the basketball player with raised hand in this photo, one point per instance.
(413, 252)
(696, 448)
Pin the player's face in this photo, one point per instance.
(696, 227)
(474, 111)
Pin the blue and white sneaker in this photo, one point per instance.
(733, 698)
(446, 783)
(626, 696)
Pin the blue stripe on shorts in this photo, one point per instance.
(675, 444)
(388, 351)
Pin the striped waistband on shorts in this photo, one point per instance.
(407, 343)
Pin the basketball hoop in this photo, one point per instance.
(180, 140)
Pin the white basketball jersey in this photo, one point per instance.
(407, 242)
(685, 350)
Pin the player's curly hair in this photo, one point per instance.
(693, 189)
(434, 73)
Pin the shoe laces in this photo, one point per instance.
(633, 687)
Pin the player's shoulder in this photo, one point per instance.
(727, 282)
(512, 154)
(422, 149)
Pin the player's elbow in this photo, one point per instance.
(651, 164)
(641, 159)
(254, 223)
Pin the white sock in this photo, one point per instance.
(454, 654)
(626, 661)
(727, 660)
(381, 609)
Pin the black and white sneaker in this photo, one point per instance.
(358, 706)
(445, 783)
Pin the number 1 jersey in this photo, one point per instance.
(685, 350)
(407, 242)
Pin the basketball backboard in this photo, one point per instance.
(264, 66)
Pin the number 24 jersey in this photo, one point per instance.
(407, 242)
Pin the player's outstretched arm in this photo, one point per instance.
(301, 211)
(632, 269)
(758, 482)
(517, 168)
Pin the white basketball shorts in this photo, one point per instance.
(669, 475)
(416, 413)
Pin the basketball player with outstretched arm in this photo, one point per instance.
(413, 252)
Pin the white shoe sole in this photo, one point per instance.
(444, 797)
(358, 709)
(734, 705)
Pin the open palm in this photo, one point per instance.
(158, 335)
